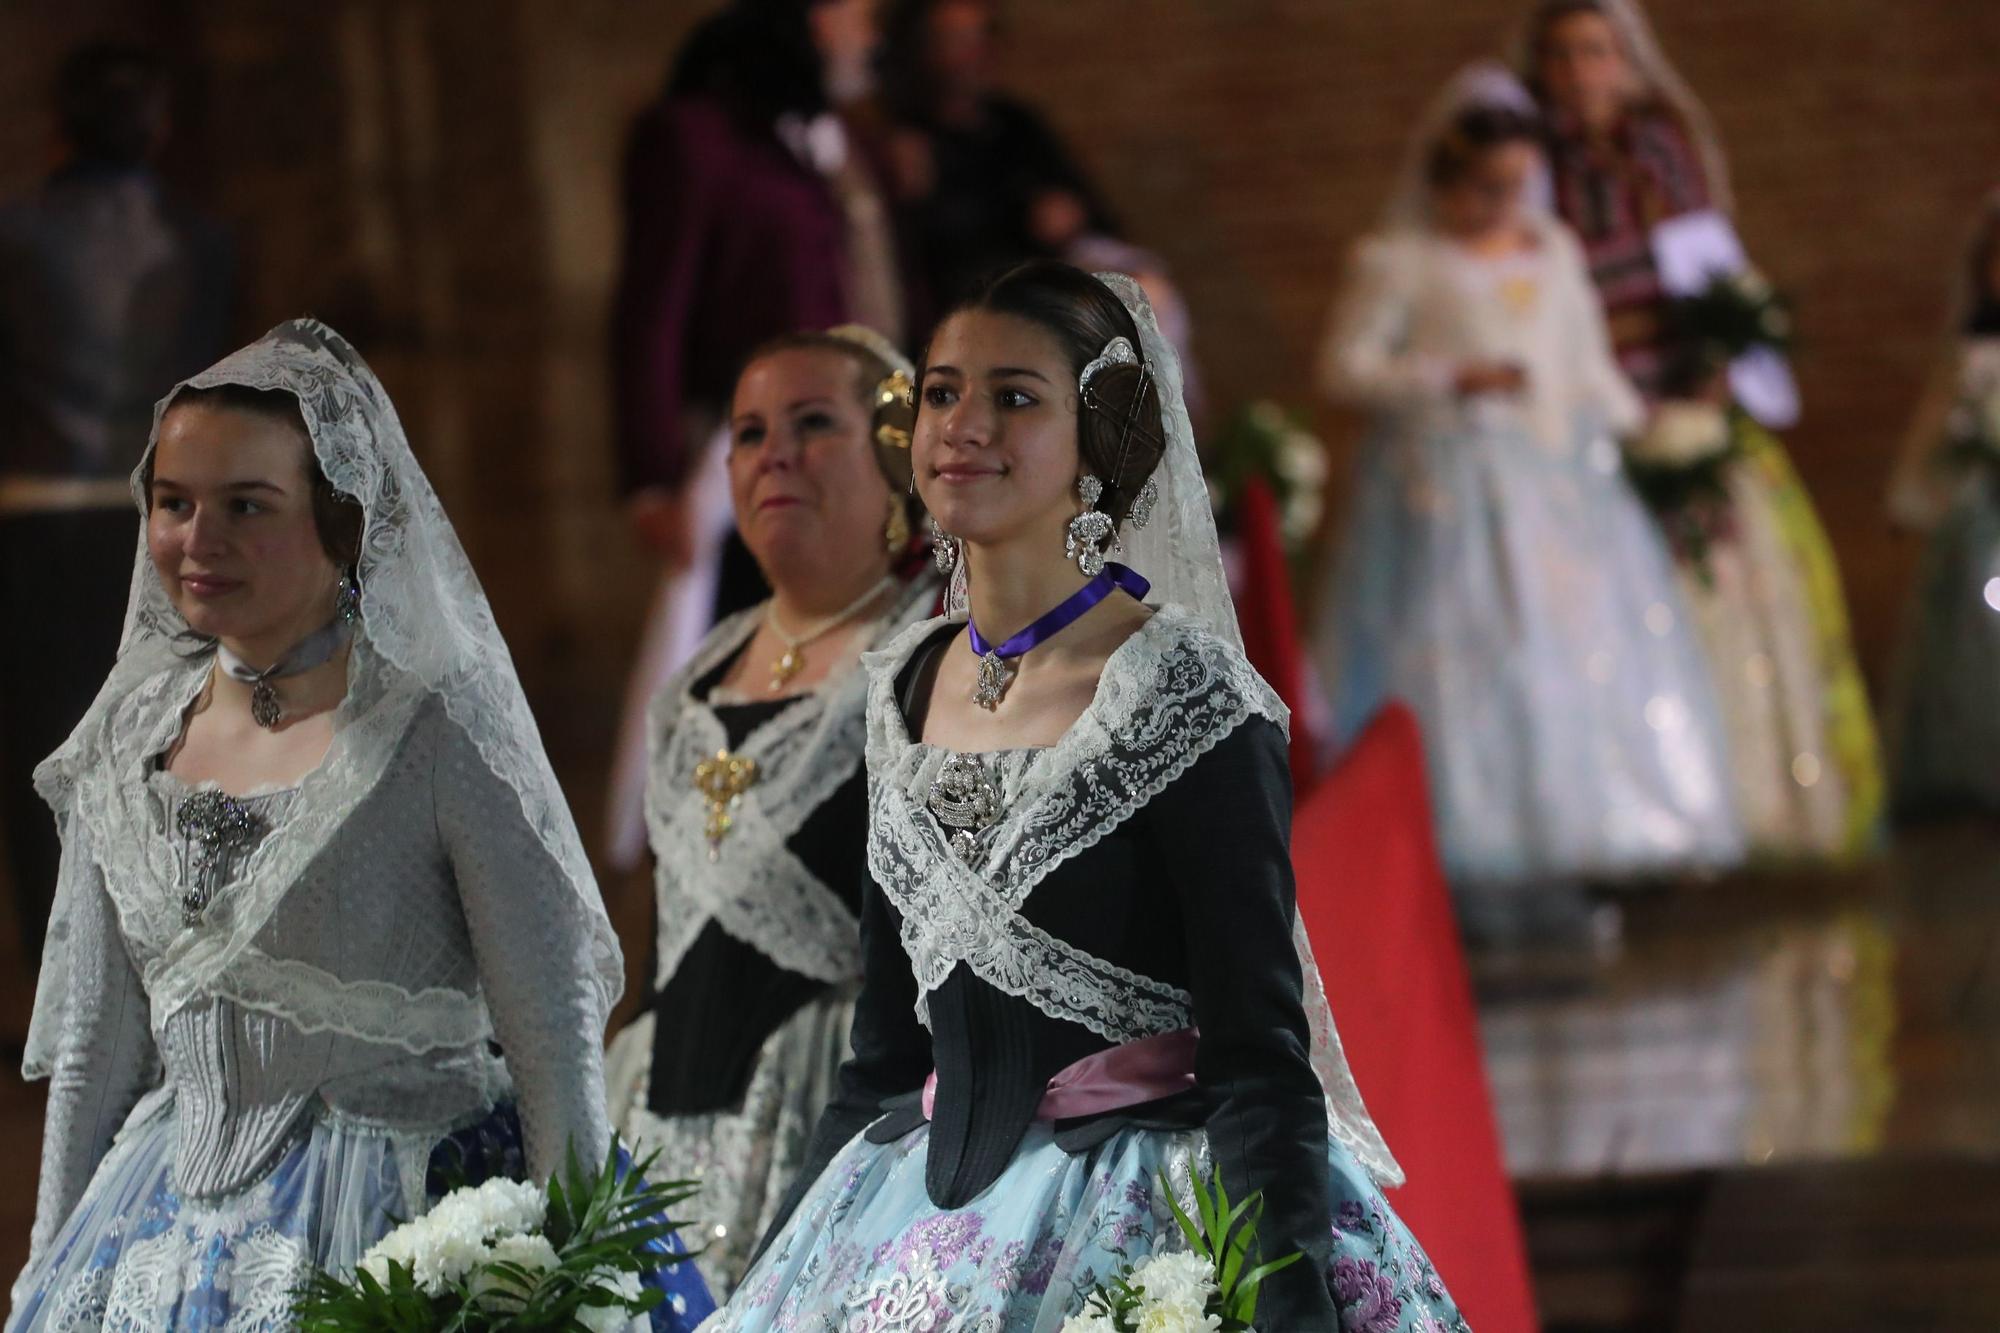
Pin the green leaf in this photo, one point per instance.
(1188, 1228)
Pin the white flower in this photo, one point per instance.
(454, 1238)
(533, 1253)
(1683, 432)
(1302, 460)
(1090, 1320)
(610, 1318)
(499, 1207)
(1175, 1278)
(1176, 1317)
(1301, 516)
(1752, 285)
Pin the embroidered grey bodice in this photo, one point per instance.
(431, 919)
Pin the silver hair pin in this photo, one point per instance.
(1117, 352)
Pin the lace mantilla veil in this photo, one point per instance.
(1485, 83)
(426, 630)
(1180, 554)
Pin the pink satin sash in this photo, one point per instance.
(1139, 1071)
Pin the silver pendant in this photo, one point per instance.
(994, 678)
(265, 710)
(216, 826)
(963, 798)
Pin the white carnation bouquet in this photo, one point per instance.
(510, 1256)
(1210, 1287)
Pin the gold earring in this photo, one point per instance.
(896, 532)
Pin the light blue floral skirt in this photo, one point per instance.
(868, 1252)
(137, 1257)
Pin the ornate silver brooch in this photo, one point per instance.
(994, 678)
(216, 826)
(962, 797)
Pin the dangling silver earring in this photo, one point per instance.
(1088, 530)
(347, 600)
(944, 547)
(1141, 512)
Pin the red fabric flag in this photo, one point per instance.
(1373, 897)
(1270, 624)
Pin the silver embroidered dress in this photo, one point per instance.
(262, 1015)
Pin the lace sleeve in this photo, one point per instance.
(534, 948)
(1611, 392)
(104, 1060)
(1365, 358)
(1222, 829)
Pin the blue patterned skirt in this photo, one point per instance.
(137, 1257)
(868, 1252)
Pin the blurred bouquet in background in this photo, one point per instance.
(1734, 315)
(1265, 441)
(1679, 465)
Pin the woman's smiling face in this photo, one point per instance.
(996, 439)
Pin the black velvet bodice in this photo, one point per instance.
(1194, 889)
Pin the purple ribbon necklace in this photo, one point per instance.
(995, 675)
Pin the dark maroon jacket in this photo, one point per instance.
(730, 241)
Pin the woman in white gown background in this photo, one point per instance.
(1498, 573)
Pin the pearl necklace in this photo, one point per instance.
(793, 660)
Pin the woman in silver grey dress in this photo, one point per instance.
(315, 867)
(756, 805)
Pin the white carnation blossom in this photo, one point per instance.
(1683, 432)
(610, 1318)
(1176, 1317)
(1090, 1320)
(1175, 1277)
(459, 1234)
(532, 1252)
(500, 1207)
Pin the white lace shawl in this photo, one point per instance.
(426, 630)
(1168, 695)
(754, 887)
(111, 799)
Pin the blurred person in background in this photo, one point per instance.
(1639, 174)
(1945, 727)
(1499, 574)
(111, 290)
(753, 207)
(987, 181)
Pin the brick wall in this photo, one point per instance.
(438, 179)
